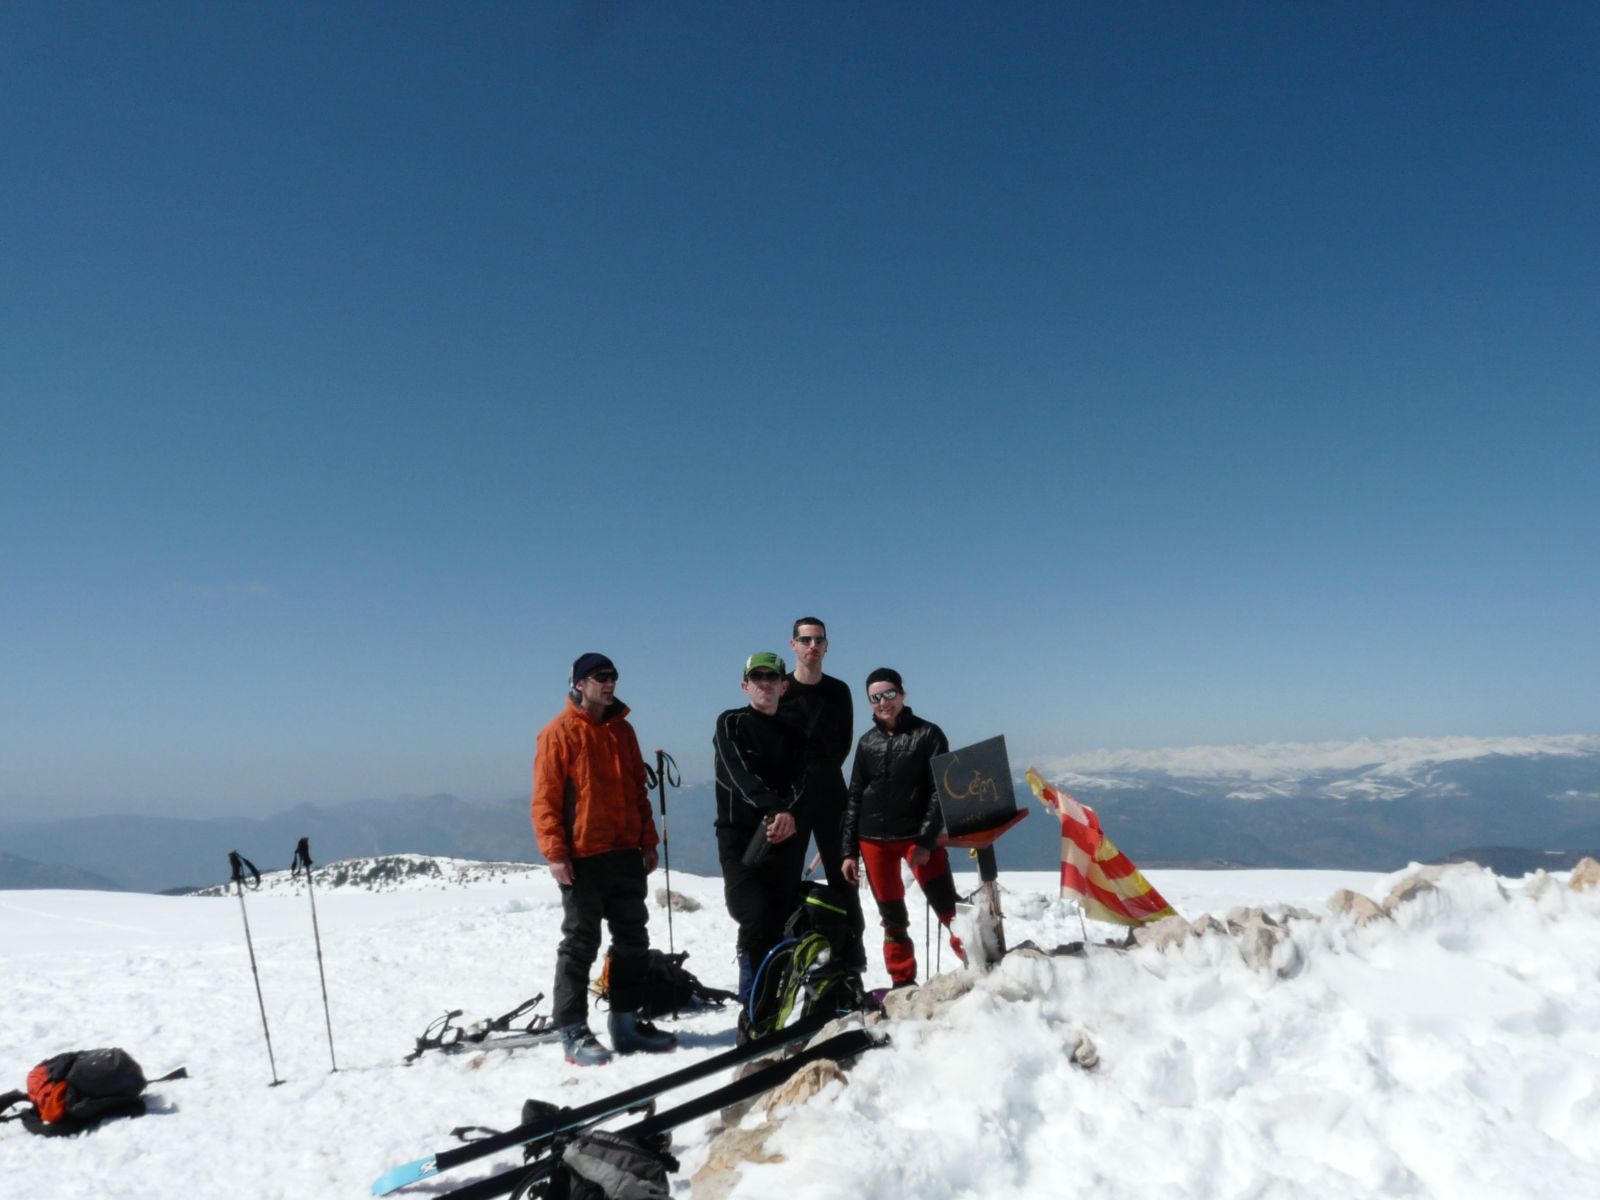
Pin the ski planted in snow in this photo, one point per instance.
(841, 1045)
(541, 1131)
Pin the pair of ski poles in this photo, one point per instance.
(665, 774)
(302, 859)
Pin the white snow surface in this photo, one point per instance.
(1453, 1052)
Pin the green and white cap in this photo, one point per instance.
(764, 660)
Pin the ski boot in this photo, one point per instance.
(631, 1032)
(582, 1048)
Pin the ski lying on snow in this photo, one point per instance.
(841, 1045)
(538, 1132)
(502, 1041)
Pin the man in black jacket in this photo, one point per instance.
(893, 816)
(760, 771)
(820, 706)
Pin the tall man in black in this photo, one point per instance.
(820, 707)
(761, 769)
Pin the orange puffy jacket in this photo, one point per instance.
(589, 789)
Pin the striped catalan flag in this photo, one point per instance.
(1092, 869)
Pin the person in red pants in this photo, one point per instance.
(892, 816)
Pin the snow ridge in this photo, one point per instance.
(1383, 764)
(390, 872)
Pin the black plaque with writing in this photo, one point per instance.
(974, 786)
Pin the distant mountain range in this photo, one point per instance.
(1373, 805)
(1369, 805)
(18, 873)
(150, 854)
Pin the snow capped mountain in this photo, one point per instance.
(1372, 803)
(1377, 768)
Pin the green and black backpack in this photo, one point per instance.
(806, 972)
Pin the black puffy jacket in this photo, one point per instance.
(891, 785)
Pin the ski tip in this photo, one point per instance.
(397, 1177)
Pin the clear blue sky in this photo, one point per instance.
(1126, 375)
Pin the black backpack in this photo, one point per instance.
(77, 1090)
(602, 1165)
(595, 1164)
(669, 987)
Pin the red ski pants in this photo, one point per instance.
(882, 861)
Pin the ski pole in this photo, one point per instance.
(302, 858)
(239, 863)
(666, 773)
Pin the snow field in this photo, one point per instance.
(1453, 1052)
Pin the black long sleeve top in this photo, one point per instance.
(825, 712)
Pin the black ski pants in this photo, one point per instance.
(762, 898)
(826, 821)
(611, 888)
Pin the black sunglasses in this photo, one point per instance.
(604, 676)
(809, 640)
(763, 677)
(882, 697)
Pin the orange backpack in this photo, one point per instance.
(77, 1090)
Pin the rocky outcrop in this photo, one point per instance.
(1414, 886)
(1424, 881)
(1262, 938)
(811, 1079)
(1360, 909)
(921, 1003)
(1084, 1053)
(676, 901)
(1264, 942)
(1585, 875)
(732, 1149)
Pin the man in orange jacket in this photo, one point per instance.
(591, 815)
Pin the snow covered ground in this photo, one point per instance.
(1452, 1052)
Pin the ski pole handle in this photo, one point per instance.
(240, 864)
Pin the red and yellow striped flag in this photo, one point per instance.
(1108, 885)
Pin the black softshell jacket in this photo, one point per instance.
(760, 768)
